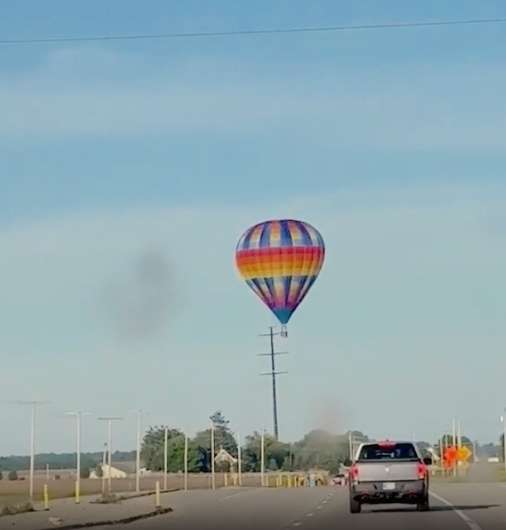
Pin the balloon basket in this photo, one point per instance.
(284, 332)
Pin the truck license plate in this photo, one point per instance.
(388, 486)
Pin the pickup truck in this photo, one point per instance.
(389, 472)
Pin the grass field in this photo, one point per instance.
(12, 492)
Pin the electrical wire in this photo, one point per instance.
(252, 32)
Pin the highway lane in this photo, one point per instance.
(477, 507)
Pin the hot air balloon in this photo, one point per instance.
(280, 261)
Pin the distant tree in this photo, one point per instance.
(220, 422)
(153, 450)
(447, 440)
(321, 449)
(277, 454)
(13, 475)
(223, 438)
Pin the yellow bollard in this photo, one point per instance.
(46, 498)
(289, 481)
(225, 478)
(78, 493)
(157, 496)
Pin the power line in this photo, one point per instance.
(252, 32)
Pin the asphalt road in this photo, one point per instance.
(454, 507)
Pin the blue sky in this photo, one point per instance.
(391, 142)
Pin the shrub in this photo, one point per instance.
(13, 475)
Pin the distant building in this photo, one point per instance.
(119, 470)
(225, 461)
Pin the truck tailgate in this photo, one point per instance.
(387, 471)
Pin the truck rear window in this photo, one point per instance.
(402, 451)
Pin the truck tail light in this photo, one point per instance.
(354, 472)
(421, 470)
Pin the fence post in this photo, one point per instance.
(46, 498)
(157, 496)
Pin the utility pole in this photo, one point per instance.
(239, 460)
(33, 404)
(350, 445)
(273, 373)
(213, 476)
(138, 452)
(454, 435)
(186, 462)
(78, 416)
(262, 458)
(503, 420)
(104, 460)
(109, 420)
(165, 456)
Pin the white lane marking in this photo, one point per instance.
(297, 523)
(309, 514)
(473, 525)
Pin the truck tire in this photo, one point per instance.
(355, 506)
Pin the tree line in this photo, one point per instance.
(317, 449)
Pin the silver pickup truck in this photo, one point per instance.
(389, 472)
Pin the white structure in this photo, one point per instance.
(110, 471)
(224, 458)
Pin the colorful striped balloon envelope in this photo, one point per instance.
(280, 261)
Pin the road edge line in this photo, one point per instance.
(473, 525)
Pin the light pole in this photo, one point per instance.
(33, 404)
(239, 460)
(213, 477)
(262, 458)
(104, 460)
(138, 451)
(109, 420)
(186, 462)
(503, 421)
(78, 416)
(165, 456)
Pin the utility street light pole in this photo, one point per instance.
(503, 420)
(165, 456)
(213, 477)
(109, 420)
(262, 458)
(104, 460)
(138, 453)
(78, 416)
(239, 460)
(33, 404)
